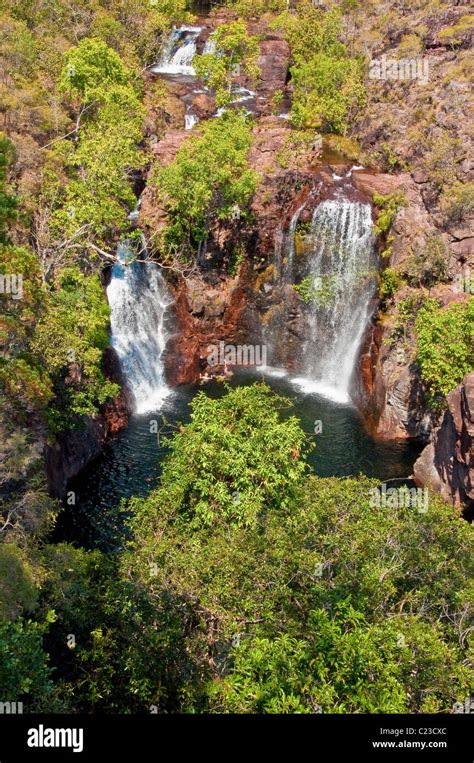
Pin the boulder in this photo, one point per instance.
(447, 463)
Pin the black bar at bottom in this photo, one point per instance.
(154, 737)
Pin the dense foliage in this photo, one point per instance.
(445, 344)
(244, 584)
(328, 82)
(250, 587)
(209, 180)
(69, 340)
(236, 52)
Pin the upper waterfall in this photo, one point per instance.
(342, 268)
(138, 300)
(178, 52)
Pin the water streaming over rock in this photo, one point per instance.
(138, 299)
(342, 266)
(178, 52)
(190, 120)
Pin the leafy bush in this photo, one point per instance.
(70, 340)
(233, 461)
(389, 282)
(457, 202)
(25, 675)
(99, 195)
(297, 603)
(444, 158)
(328, 83)
(8, 203)
(209, 178)
(22, 380)
(235, 51)
(456, 33)
(91, 69)
(388, 207)
(346, 665)
(445, 344)
(321, 291)
(327, 91)
(250, 9)
(430, 266)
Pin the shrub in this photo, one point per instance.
(235, 50)
(388, 207)
(327, 92)
(430, 266)
(445, 345)
(209, 178)
(457, 202)
(389, 283)
(73, 334)
(328, 82)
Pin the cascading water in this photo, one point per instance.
(190, 120)
(209, 46)
(342, 281)
(178, 52)
(138, 300)
(291, 240)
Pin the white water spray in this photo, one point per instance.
(343, 268)
(138, 299)
(178, 52)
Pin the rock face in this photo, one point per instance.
(205, 313)
(72, 451)
(116, 412)
(447, 464)
(389, 390)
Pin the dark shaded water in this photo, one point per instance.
(130, 463)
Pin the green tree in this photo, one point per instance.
(328, 82)
(94, 206)
(69, 340)
(25, 675)
(298, 591)
(233, 460)
(445, 344)
(91, 69)
(345, 665)
(208, 181)
(129, 649)
(235, 52)
(327, 91)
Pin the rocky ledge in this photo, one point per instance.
(446, 465)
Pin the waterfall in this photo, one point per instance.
(341, 269)
(209, 46)
(138, 300)
(291, 240)
(190, 120)
(178, 52)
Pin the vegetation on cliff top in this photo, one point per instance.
(445, 345)
(210, 180)
(236, 53)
